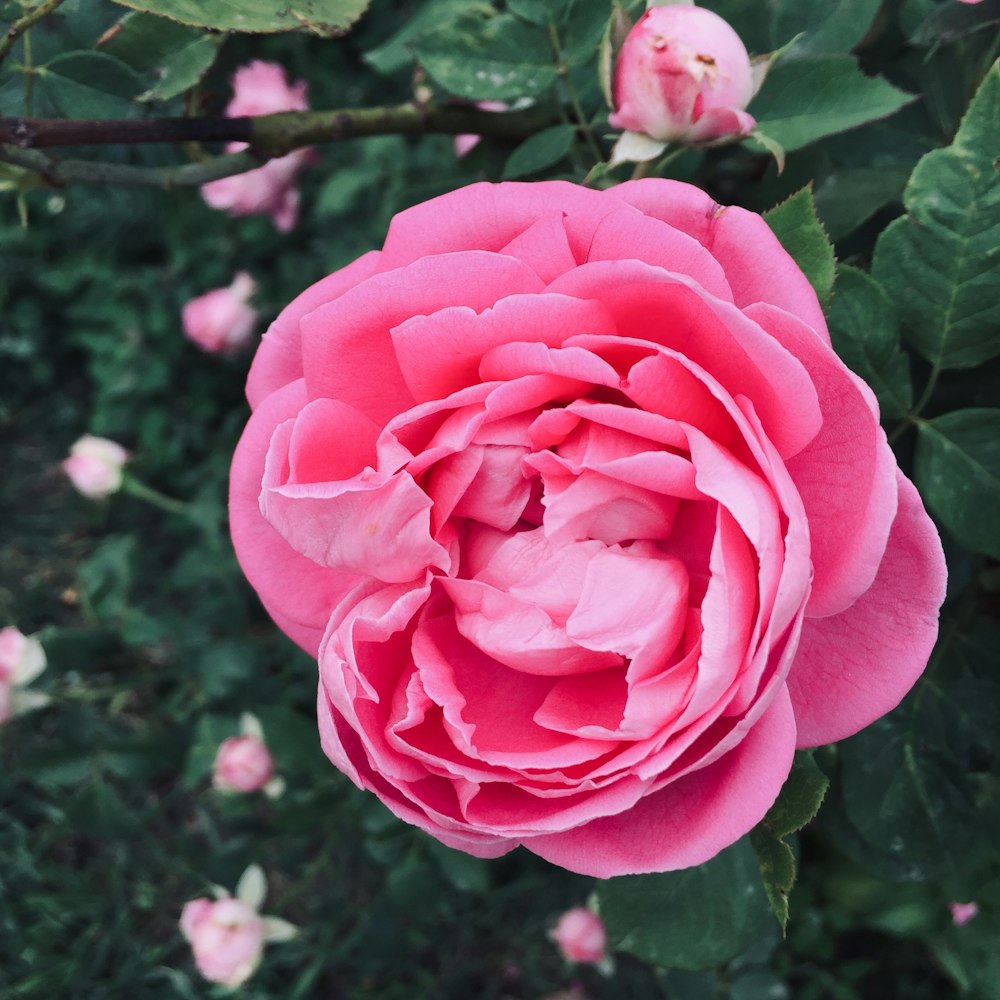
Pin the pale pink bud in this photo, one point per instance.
(227, 935)
(22, 659)
(227, 938)
(683, 75)
(261, 88)
(243, 764)
(580, 936)
(962, 913)
(95, 465)
(221, 321)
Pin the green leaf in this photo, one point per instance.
(777, 869)
(89, 85)
(957, 469)
(539, 151)
(106, 576)
(328, 18)
(865, 334)
(498, 58)
(797, 226)
(693, 919)
(800, 797)
(173, 56)
(803, 100)
(941, 261)
(396, 53)
(847, 198)
(836, 26)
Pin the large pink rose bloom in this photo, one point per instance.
(587, 524)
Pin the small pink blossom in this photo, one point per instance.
(95, 466)
(580, 937)
(683, 75)
(22, 659)
(244, 763)
(261, 88)
(221, 321)
(227, 935)
(962, 913)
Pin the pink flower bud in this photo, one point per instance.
(261, 88)
(242, 764)
(227, 938)
(22, 659)
(683, 75)
(221, 321)
(228, 935)
(580, 936)
(95, 465)
(962, 913)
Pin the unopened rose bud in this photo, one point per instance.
(221, 321)
(579, 935)
(95, 466)
(683, 75)
(22, 659)
(227, 935)
(244, 764)
(962, 913)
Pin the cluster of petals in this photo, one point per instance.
(22, 659)
(262, 88)
(588, 526)
(95, 466)
(227, 934)
(222, 320)
(683, 75)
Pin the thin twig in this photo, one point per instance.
(22, 24)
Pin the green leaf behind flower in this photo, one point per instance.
(797, 226)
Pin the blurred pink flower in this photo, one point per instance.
(244, 764)
(682, 75)
(95, 466)
(962, 913)
(22, 659)
(227, 935)
(261, 88)
(221, 321)
(580, 936)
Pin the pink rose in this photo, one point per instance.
(584, 519)
(221, 321)
(261, 88)
(683, 75)
(95, 466)
(227, 935)
(962, 913)
(244, 764)
(580, 937)
(22, 659)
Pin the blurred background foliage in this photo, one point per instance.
(156, 644)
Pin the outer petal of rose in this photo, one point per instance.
(846, 475)
(278, 360)
(291, 586)
(757, 266)
(720, 123)
(854, 667)
(491, 216)
(378, 529)
(691, 819)
(440, 353)
(347, 351)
